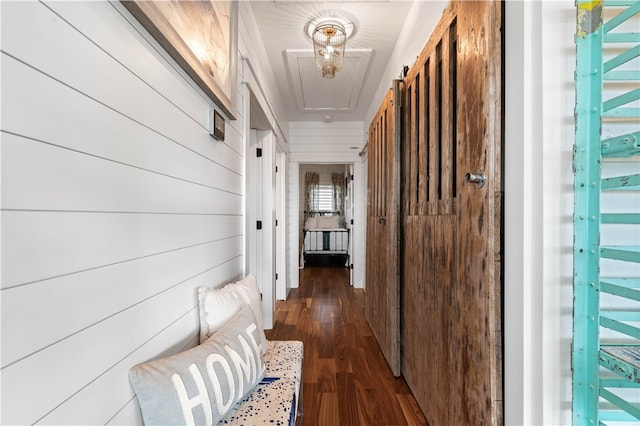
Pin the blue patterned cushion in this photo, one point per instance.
(284, 359)
(201, 385)
(272, 402)
(275, 400)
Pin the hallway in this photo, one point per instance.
(346, 379)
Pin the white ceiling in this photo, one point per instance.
(307, 96)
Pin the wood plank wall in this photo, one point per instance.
(429, 308)
(480, 209)
(451, 230)
(451, 288)
(382, 268)
(116, 206)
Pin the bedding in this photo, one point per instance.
(324, 234)
(328, 222)
(327, 241)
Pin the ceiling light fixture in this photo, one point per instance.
(329, 32)
(329, 38)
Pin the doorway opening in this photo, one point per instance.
(325, 214)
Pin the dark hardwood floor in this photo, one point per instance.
(346, 380)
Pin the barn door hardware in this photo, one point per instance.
(478, 178)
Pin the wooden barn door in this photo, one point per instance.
(451, 292)
(383, 209)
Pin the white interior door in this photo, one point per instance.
(266, 256)
(280, 204)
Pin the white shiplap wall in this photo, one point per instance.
(332, 141)
(116, 206)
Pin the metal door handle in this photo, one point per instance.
(478, 178)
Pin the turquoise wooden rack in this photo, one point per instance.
(606, 336)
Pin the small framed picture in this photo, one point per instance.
(217, 126)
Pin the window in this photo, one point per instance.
(324, 192)
(325, 197)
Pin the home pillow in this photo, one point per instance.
(216, 304)
(201, 385)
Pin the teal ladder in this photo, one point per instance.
(606, 314)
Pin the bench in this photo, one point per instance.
(234, 377)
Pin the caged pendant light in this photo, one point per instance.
(329, 39)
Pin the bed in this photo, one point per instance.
(326, 235)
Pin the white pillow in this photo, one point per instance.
(217, 305)
(248, 291)
(328, 222)
(311, 223)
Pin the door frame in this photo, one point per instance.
(359, 212)
(260, 247)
